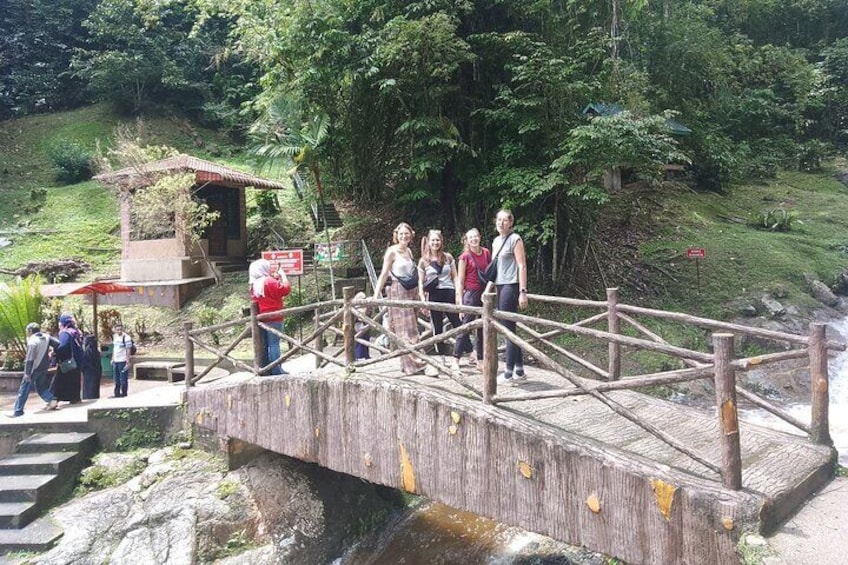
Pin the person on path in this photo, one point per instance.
(268, 290)
(36, 365)
(361, 331)
(398, 261)
(511, 285)
(92, 369)
(122, 347)
(69, 359)
(436, 280)
(469, 292)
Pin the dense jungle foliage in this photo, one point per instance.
(451, 109)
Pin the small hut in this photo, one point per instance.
(167, 270)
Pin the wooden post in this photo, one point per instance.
(725, 389)
(819, 419)
(258, 335)
(189, 354)
(614, 328)
(490, 349)
(348, 293)
(319, 338)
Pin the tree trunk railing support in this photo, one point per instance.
(614, 324)
(490, 349)
(725, 389)
(348, 293)
(189, 354)
(258, 335)
(819, 418)
(319, 338)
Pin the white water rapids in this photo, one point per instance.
(838, 409)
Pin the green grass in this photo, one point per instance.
(742, 261)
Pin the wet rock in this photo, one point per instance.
(823, 294)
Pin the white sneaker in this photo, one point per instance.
(519, 375)
(431, 371)
(504, 380)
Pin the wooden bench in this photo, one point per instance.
(156, 370)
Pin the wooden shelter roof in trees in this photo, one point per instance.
(205, 171)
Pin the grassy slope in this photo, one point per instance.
(742, 261)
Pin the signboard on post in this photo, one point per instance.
(696, 253)
(290, 261)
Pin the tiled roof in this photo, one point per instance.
(205, 171)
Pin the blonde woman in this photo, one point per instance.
(469, 291)
(436, 276)
(511, 285)
(399, 265)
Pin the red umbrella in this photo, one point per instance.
(93, 288)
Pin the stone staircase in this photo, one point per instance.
(31, 479)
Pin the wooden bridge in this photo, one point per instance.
(589, 461)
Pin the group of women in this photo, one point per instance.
(442, 279)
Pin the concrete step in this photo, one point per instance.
(17, 514)
(39, 463)
(83, 442)
(37, 536)
(26, 488)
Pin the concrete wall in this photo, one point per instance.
(161, 269)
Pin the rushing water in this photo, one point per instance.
(838, 411)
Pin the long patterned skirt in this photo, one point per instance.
(404, 323)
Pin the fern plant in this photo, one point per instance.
(20, 304)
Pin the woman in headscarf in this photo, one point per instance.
(69, 359)
(267, 290)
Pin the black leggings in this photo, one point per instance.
(445, 296)
(508, 302)
(463, 342)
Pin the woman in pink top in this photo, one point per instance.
(267, 290)
(469, 291)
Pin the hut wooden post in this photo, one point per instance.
(819, 419)
(614, 324)
(348, 293)
(725, 389)
(319, 338)
(258, 339)
(189, 354)
(490, 349)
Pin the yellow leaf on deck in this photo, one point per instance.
(288, 401)
(229, 402)
(755, 361)
(452, 430)
(525, 469)
(407, 473)
(593, 503)
(727, 522)
(455, 417)
(664, 493)
(317, 432)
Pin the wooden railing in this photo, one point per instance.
(538, 337)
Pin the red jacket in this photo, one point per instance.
(273, 299)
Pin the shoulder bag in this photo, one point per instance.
(491, 272)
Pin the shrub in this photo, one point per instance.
(811, 154)
(777, 219)
(72, 161)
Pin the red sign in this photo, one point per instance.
(289, 260)
(696, 253)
